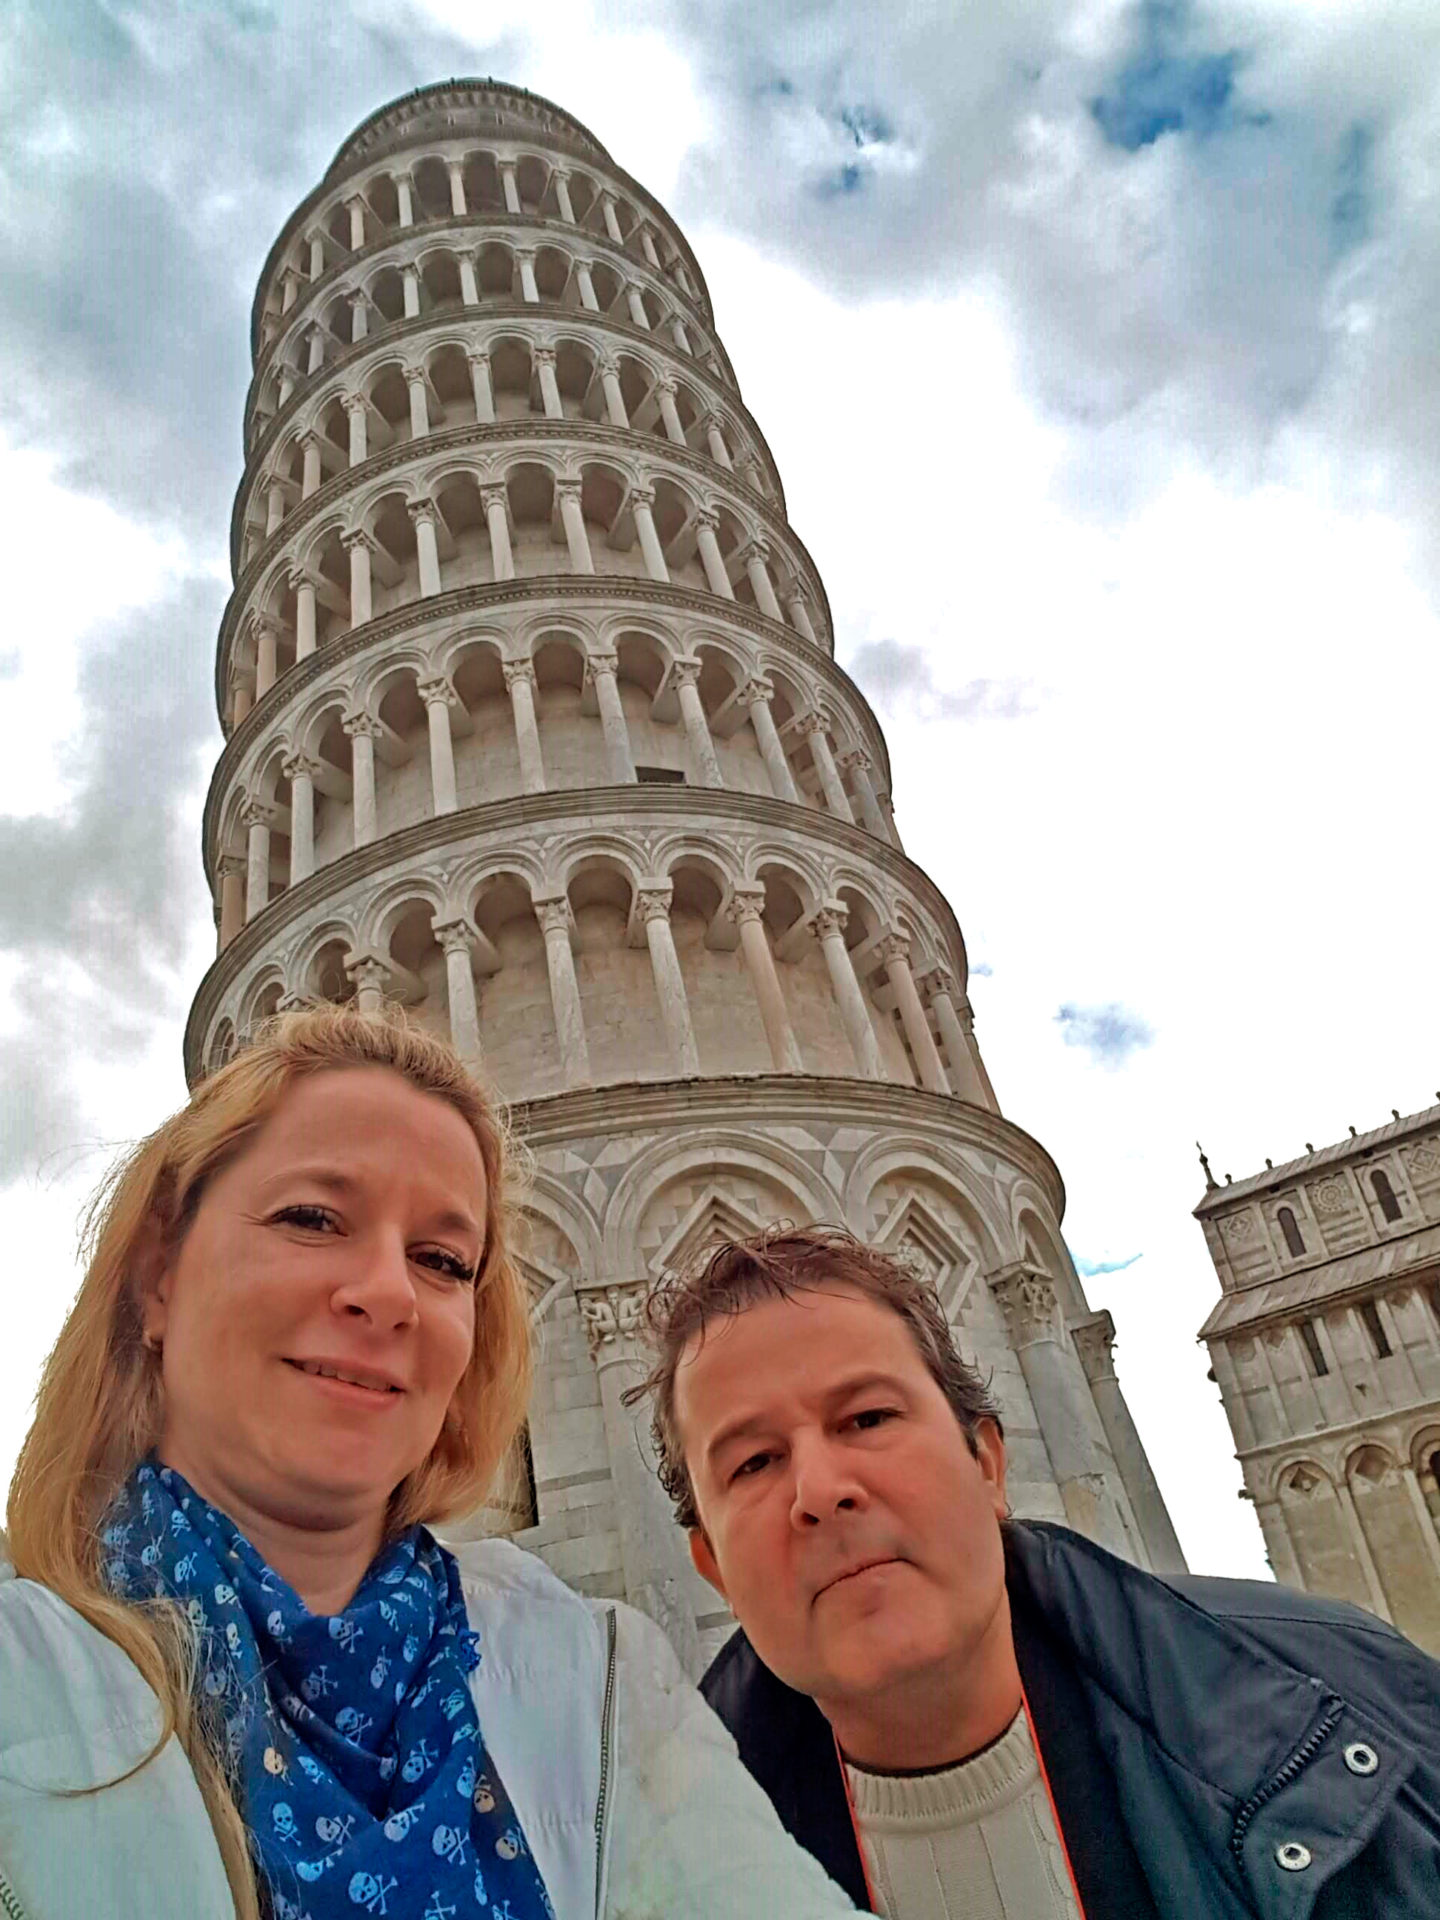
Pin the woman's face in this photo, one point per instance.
(320, 1311)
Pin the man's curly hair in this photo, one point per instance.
(776, 1265)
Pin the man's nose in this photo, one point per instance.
(378, 1285)
(825, 1482)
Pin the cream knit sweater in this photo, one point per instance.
(975, 1842)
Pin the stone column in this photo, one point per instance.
(811, 726)
(1360, 1547)
(419, 410)
(647, 247)
(716, 577)
(572, 518)
(510, 187)
(1095, 1345)
(304, 590)
(355, 207)
(715, 441)
(520, 684)
(1422, 1515)
(828, 926)
(1279, 1546)
(300, 770)
(403, 198)
(232, 899)
(274, 508)
(357, 411)
(359, 318)
(363, 730)
(895, 954)
(481, 388)
(371, 977)
(469, 286)
(800, 617)
(310, 473)
(561, 177)
(256, 818)
(756, 557)
(267, 640)
(857, 765)
(642, 499)
(600, 672)
(652, 1553)
(554, 917)
(970, 1080)
(653, 906)
(549, 385)
(439, 696)
(289, 290)
(410, 281)
(497, 521)
(745, 909)
(457, 188)
(529, 291)
(427, 546)
(756, 696)
(684, 674)
(241, 701)
(457, 938)
(1063, 1406)
(586, 286)
(614, 398)
(669, 413)
(317, 350)
(612, 224)
(359, 546)
(680, 336)
(636, 307)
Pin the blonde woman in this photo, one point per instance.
(238, 1675)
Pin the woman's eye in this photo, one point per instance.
(315, 1219)
(439, 1261)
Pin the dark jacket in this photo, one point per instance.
(1244, 1725)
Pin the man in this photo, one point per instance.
(962, 1714)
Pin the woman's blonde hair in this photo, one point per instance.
(99, 1408)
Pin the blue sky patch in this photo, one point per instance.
(1087, 1269)
(1164, 88)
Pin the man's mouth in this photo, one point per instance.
(861, 1566)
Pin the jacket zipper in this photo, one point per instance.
(1293, 1767)
(9, 1905)
(607, 1716)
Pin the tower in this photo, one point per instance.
(1325, 1345)
(534, 724)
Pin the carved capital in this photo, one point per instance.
(543, 356)
(745, 903)
(230, 866)
(597, 664)
(362, 726)
(1095, 1343)
(518, 671)
(1027, 1299)
(455, 936)
(257, 813)
(894, 946)
(756, 550)
(653, 903)
(937, 982)
(684, 673)
(308, 439)
(642, 497)
(437, 692)
(357, 538)
(614, 1318)
(553, 915)
(856, 761)
(567, 490)
(299, 577)
(828, 921)
(707, 520)
(414, 375)
(300, 766)
(478, 357)
(421, 511)
(667, 384)
(757, 692)
(810, 723)
(367, 970)
(495, 496)
(357, 299)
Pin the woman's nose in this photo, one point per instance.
(379, 1286)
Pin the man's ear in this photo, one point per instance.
(990, 1456)
(705, 1562)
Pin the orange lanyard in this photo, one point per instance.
(1044, 1781)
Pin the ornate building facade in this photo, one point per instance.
(1326, 1349)
(534, 724)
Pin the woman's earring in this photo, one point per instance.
(152, 1343)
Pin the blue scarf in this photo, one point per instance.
(353, 1738)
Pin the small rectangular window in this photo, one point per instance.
(659, 776)
(1319, 1366)
(1379, 1339)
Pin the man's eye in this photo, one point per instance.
(439, 1261)
(870, 1417)
(747, 1469)
(314, 1219)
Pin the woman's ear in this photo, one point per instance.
(152, 1271)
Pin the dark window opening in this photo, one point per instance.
(1319, 1365)
(1290, 1227)
(1385, 1194)
(1432, 1294)
(660, 776)
(1434, 1465)
(1379, 1339)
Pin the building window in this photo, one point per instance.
(1290, 1227)
(1319, 1366)
(1379, 1339)
(659, 776)
(1385, 1194)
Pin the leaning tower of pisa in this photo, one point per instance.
(533, 723)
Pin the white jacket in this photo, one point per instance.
(627, 1786)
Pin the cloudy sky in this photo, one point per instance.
(1096, 346)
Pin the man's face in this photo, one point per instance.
(843, 1514)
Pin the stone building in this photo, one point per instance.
(1326, 1349)
(534, 724)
